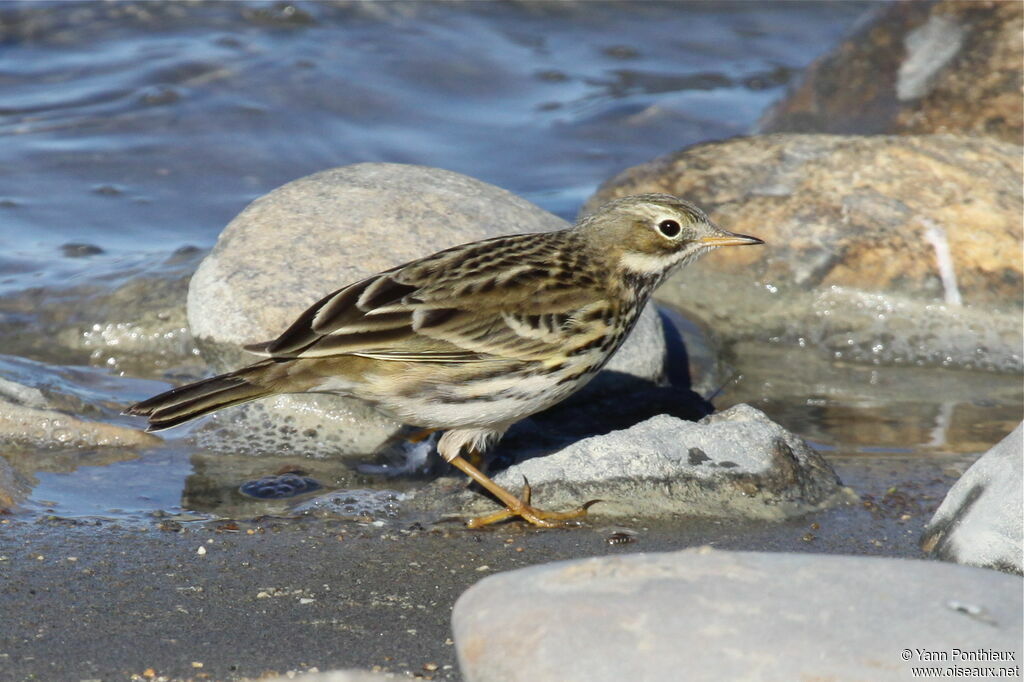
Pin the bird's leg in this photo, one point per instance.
(514, 506)
(476, 459)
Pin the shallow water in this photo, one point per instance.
(131, 130)
(138, 127)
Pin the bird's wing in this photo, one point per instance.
(518, 297)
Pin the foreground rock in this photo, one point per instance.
(981, 522)
(312, 236)
(879, 249)
(916, 67)
(733, 464)
(707, 615)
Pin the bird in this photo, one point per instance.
(474, 338)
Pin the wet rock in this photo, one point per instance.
(13, 488)
(40, 416)
(135, 323)
(721, 615)
(736, 463)
(31, 427)
(979, 522)
(879, 249)
(310, 237)
(916, 67)
(77, 250)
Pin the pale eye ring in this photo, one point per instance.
(669, 228)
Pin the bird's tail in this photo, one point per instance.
(185, 403)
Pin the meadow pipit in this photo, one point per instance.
(476, 337)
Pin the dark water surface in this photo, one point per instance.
(140, 127)
(129, 130)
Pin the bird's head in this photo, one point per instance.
(649, 235)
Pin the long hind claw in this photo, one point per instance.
(538, 517)
(515, 506)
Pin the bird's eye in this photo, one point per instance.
(669, 228)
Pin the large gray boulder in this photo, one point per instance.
(981, 520)
(736, 463)
(312, 236)
(701, 614)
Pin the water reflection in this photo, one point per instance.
(858, 408)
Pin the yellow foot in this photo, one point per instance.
(538, 517)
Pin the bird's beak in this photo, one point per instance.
(726, 238)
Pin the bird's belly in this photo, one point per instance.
(485, 399)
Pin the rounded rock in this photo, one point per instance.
(701, 614)
(979, 521)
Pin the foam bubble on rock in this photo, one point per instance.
(376, 504)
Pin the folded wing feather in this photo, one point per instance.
(449, 307)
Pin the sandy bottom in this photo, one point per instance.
(108, 601)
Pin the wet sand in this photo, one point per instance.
(104, 602)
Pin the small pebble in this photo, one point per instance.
(201, 551)
(620, 538)
(75, 250)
